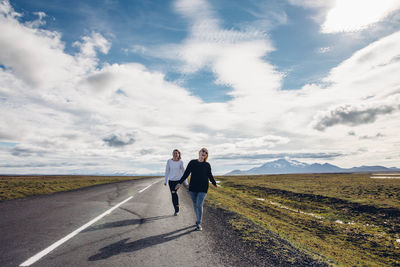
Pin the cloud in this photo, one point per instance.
(281, 155)
(323, 50)
(267, 15)
(350, 115)
(138, 49)
(338, 16)
(255, 144)
(146, 151)
(100, 81)
(175, 137)
(322, 7)
(31, 53)
(37, 56)
(36, 165)
(6, 8)
(90, 44)
(351, 133)
(71, 107)
(375, 59)
(194, 8)
(119, 141)
(357, 14)
(312, 3)
(37, 23)
(20, 151)
(377, 136)
(358, 91)
(234, 56)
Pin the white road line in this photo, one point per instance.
(46, 251)
(148, 187)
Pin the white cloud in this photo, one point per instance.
(321, 6)
(375, 59)
(37, 55)
(236, 59)
(71, 107)
(348, 15)
(259, 105)
(91, 43)
(31, 53)
(312, 3)
(355, 15)
(323, 50)
(268, 15)
(37, 23)
(138, 49)
(362, 94)
(127, 118)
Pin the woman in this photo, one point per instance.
(198, 186)
(173, 172)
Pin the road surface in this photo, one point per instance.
(141, 231)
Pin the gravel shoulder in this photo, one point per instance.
(247, 244)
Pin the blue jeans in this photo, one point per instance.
(198, 200)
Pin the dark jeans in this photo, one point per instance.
(174, 194)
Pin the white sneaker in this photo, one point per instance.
(199, 228)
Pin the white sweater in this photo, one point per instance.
(174, 170)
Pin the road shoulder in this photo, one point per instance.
(236, 249)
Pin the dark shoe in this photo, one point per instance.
(176, 213)
(199, 228)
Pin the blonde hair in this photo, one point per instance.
(203, 148)
(179, 157)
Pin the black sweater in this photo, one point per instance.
(201, 172)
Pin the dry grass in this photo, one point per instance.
(12, 187)
(348, 219)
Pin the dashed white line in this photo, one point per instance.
(46, 251)
(147, 187)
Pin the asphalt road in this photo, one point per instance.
(140, 232)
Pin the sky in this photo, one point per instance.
(112, 87)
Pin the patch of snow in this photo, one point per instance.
(296, 163)
(294, 210)
(385, 177)
(394, 173)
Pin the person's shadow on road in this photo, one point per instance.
(123, 246)
(126, 223)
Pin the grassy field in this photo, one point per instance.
(344, 219)
(12, 187)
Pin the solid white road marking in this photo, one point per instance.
(46, 251)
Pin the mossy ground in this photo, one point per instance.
(12, 187)
(346, 219)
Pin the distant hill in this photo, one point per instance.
(282, 166)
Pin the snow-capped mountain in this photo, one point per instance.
(282, 166)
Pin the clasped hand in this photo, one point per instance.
(179, 186)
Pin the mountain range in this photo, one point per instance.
(284, 166)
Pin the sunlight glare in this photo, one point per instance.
(354, 15)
